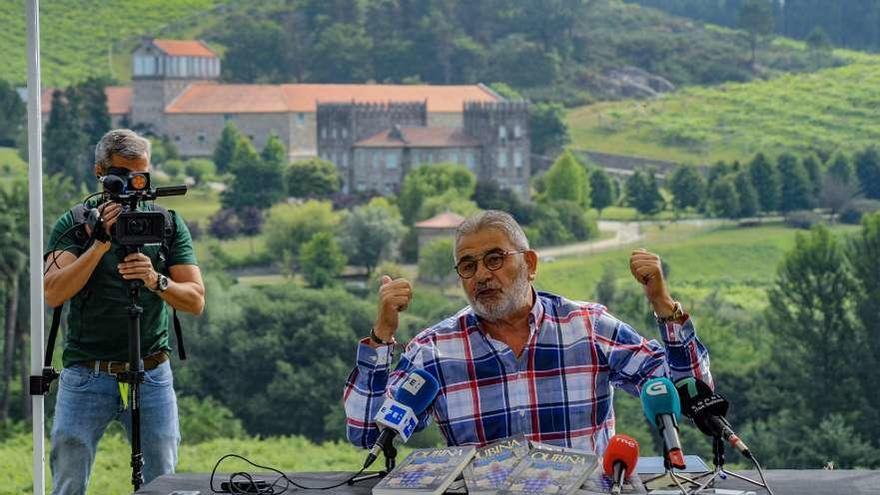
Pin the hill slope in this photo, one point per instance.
(78, 36)
(822, 110)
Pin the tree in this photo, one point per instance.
(489, 196)
(575, 220)
(756, 18)
(253, 50)
(606, 288)
(841, 168)
(290, 226)
(225, 148)
(836, 194)
(273, 153)
(547, 129)
(567, 181)
(813, 166)
(435, 261)
(723, 199)
(255, 182)
(796, 185)
(65, 148)
(642, 192)
(448, 201)
(341, 53)
(312, 178)
(12, 114)
(433, 180)
(602, 192)
(864, 256)
(765, 178)
(321, 260)
(748, 196)
(224, 224)
(868, 171)
(370, 233)
(94, 112)
(199, 169)
(687, 187)
(817, 337)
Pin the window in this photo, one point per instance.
(333, 133)
(502, 159)
(345, 160)
(344, 133)
(201, 138)
(376, 160)
(391, 160)
(470, 161)
(301, 118)
(517, 131)
(323, 133)
(177, 138)
(502, 133)
(517, 159)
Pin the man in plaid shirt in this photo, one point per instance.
(516, 360)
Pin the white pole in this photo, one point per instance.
(35, 210)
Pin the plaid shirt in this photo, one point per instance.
(558, 391)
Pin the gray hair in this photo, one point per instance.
(121, 142)
(493, 219)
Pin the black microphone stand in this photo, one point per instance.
(720, 472)
(134, 376)
(389, 451)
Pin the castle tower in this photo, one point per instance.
(161, 70)
(502, 129)
(340, 125)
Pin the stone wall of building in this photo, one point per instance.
(502, 128)
(445, 119)
(197, 134)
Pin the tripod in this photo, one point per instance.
(676, 477)
(720, 472)
(390, 454)
(134, 376)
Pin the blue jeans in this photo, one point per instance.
(87, 402)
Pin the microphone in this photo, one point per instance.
(398, 416)
(708, 410)
(620, 460)
(663, 410)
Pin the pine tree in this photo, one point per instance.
(602, 190)
(225, 148)
(687, 186)
(795, 183)
(65, 150)
(868, 171)
(765, 178)
(748, 196)
(567, 181)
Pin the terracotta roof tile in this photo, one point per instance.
(261, 98)
(445, 220)
(419, 137)
(118, 99)
(185, 48)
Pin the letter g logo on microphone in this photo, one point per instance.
(656, 388)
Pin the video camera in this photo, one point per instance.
(136, 228)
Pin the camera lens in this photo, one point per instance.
(138, 226)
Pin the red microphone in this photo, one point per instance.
(620, 460)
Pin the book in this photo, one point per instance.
(426, 471)
(548, 469)
(493, 463)
(599, 483)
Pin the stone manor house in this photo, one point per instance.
(373, 133)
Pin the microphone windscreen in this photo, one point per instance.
(659, 397)
(690, 391)
(417, 391)
(623, 449)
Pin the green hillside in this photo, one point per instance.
(78, 37)
(821, 110)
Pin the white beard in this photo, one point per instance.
(508, 302)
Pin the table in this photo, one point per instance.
(782, 481)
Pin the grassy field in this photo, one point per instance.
(81, 38)
(824, 109)
(111, 471)
(740, 263)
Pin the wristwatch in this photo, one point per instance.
(677, 314)
(375, 338)
(161, 284)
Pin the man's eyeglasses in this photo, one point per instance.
(493, 260)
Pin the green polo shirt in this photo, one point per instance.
(97, 324)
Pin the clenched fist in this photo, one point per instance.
(394, 297)
(647, 269)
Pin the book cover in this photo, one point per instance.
(493, 463)
(550, 470)
(426, 471)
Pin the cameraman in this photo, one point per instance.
(95, 279)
